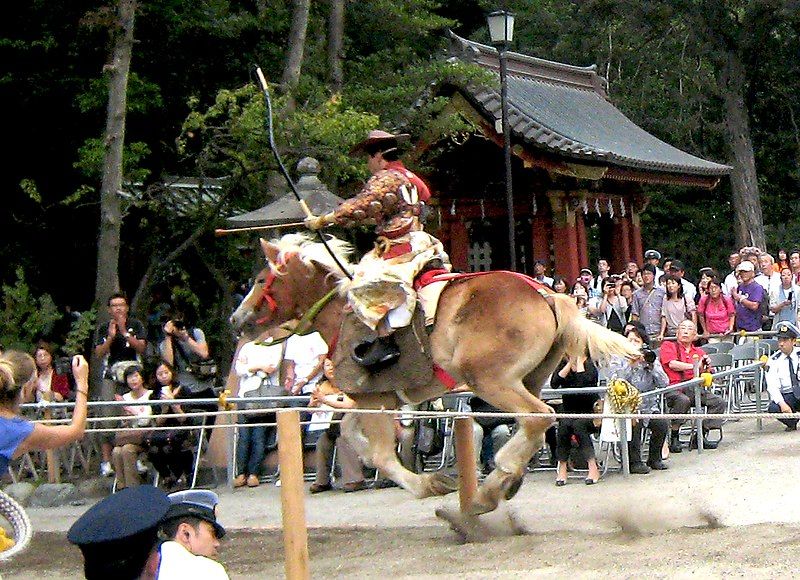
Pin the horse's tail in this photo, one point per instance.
(577, 333)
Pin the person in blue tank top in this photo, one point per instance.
(18, 435)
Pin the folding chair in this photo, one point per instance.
(724, 346)
(744, 383)
(767, 346)
(720, 361)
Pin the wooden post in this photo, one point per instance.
(53, 467)
(467, 468)
(295, 533)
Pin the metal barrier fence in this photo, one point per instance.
(300, 403)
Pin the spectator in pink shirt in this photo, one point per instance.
(716, 311)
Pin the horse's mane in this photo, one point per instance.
(310, 251)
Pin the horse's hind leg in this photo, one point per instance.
(374, 438)
(512, 459)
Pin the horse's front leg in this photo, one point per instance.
(512, 459)
(373, 437)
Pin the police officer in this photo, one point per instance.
(119, 535)
(783, 382)
(193, 534)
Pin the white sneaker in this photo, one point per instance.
(105, 469)
(141, 467)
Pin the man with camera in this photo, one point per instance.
(185, 348)
(680, 360)
(119, 343)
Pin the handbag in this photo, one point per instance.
(267, 388)
(202, 370)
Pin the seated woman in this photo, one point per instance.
(645, 373)
(128, 444)
(50, 385)
(572, 374)
(167, 450)
(18, 436)
(326, 393)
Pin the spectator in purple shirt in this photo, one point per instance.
(748, 296)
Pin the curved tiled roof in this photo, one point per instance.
(565, 109)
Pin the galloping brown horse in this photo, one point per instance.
(494, 333)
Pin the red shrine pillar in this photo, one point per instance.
(636, 238)
(624, 237)
(459, 245)
(583, 245)
(540, 234)
(565, 236)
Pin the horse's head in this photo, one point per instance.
(298, 273)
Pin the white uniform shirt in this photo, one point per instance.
(778, 379)
(689, 289)
(178, 563)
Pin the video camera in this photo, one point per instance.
(649, 355)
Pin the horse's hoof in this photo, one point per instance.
(481, 504)
(513, 488)
(441, 484)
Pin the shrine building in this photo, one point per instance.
(578, 166)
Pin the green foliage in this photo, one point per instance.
(25, 317)
(81, 331)
(91, 156)
(29, 187)
(142, 95)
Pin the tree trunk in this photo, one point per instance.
(108, 242)
(296, 44)
(747, 216)
(335, 41)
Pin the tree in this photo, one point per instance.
(108, 242)
(296, 44)
(335, 45)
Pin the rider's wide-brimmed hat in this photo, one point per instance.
(382, 138)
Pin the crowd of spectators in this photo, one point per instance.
(652, 306)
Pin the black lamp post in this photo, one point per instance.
(501, 32)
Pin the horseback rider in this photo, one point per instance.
(381, 292)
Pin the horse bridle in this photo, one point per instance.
(266, 296)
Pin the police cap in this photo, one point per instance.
(117, 534)
(652, 255)
(195, 503)
(788, 330)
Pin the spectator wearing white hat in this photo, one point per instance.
(748, 296)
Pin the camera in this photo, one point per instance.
(649, 355)
(63, 365)
(179, 324)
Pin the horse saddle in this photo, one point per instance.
(407, 363)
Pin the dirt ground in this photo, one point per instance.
(733, 512)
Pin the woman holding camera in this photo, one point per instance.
(610, 311)
(646, 374)
(17, 435)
